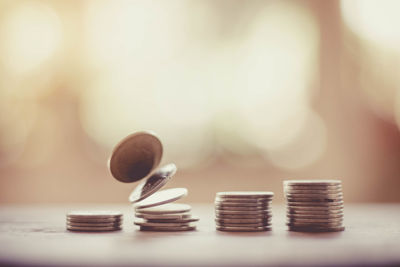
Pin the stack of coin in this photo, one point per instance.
(94, 221)
(243, 211)
(314, 205)
(167, 217)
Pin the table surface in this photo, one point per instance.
(36, 235)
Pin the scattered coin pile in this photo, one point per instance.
(154, 210)
(314, 205)
(94, 221)
(243, 211)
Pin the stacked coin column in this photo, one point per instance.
(314, 205)
(243, 211)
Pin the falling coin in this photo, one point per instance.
(162, 197)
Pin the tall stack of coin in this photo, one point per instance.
(136, 157)
(94, 221)
(314, 205)
(243, 211)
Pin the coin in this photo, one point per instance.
(94, 220)
(315, 212)
(157, 180)
(241, 212)
(218, 224)
(243, 229)
(223, 208)
(135, 157)
(239, 204)
(313, 220)
(93, 224)
(316, 229)
(314, 195)
(253, 201)
(167, 229)
(93, 229)
(141, 222)
(243, 216)
(171, 208)
(163, 216)
(183, 220)
(314, 216)
(312, 182)
(162, 197)
(243, 221)
(314, 203)
(98, 214)
(246, 194)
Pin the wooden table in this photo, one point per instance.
(36, 235)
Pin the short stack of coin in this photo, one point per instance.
(94, 221)
(167, 217)
(314, 205)
(243, 211)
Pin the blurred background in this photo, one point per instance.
(243, 94)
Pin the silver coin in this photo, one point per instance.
(239, 204)
(243, 221)
(93, 229)
(243, 229)
(243, 216)
(312, 182)
(316, 209)
(171, 208)
(312, 187)
(314, 220)
(135, 157)
(162, 197)
(98, 214)
(317, 225)
(312, 191)
(152, 184)
(314, 212)
(184, 220)
(241, 212)
(313, 216)
(246, 194)
(167, 229)
(314, 203)
(94, 220)
(220, 207)
(316, 229)
(141, 222)
(243, 201)
(330, 196)
(164, 216)
(218, 224)
(86, 224)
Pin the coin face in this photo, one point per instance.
(162, 197)
(152, 184)
(245, 194)
(171, 208)
(135, 157)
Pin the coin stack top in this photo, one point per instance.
(94, 221)
(243, 211)
(314, 205)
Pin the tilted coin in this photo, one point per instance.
(157, 180)
(180, 221)
(141, 222)
(243, 221)
(167, 229)
(92, 229)
(243, 216)
(162, 197)
(176, 216)
(243, 229)
(237, 212)
(260, 208)
(312, 182)
(170, 208)
(135, 156)
(94, 214)
(246, 194)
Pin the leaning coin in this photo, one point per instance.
(246, 194)
(167, 229)
(170, 208)
(162, 197)
(163, 216)
(94, 214)
(221, 207)
(243, 229)
(153, 183)
(92, 229)
(180, 221)
(314, 229)
(243, 221)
